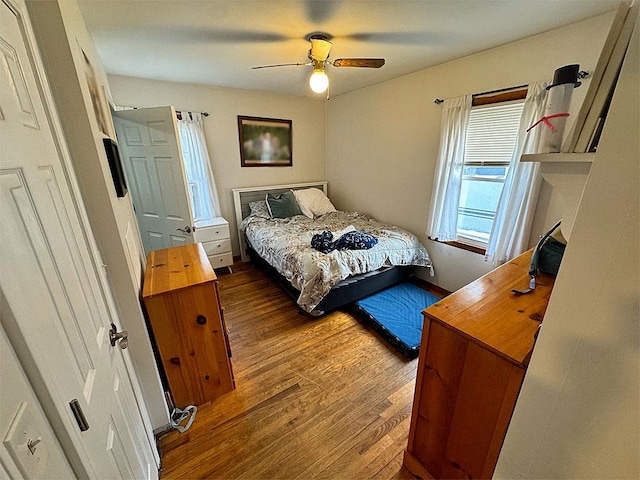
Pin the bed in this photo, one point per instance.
(321, 282)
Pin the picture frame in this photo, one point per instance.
(265, 142)
(98, 99)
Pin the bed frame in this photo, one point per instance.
(346, 292)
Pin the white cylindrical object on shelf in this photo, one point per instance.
(558, 102)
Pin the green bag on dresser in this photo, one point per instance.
(546, 258)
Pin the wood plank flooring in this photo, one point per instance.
(315, 398)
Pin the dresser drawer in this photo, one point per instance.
(217, 247)
(209, 234)
(222, 260)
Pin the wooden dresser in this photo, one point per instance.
(475, 348)
(181, 297)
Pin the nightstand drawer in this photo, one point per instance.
(217, 247)
(209, 234)
(222, 260)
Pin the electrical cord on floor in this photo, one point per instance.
(178, 416)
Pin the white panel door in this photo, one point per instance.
(56, 306)
(150, 150)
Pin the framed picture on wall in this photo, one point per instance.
(265, 142)
(98, 99)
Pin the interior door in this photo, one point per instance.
(150, 150)
(55, 302)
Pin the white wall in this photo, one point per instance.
(578, 414)
(382, 141)
(221, 131)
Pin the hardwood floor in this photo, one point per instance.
(314, 398)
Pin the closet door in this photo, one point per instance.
(150, 151)
(55, 301)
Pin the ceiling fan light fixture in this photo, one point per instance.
(319, 82)
(320, 47)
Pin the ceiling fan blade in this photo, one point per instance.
(359, 62)
(320, 49)
(283, 65)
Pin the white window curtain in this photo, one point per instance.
(516, 207)
(445, 199)
(202, 187)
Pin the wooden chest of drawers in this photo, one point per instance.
(181, 297)
(475, 348)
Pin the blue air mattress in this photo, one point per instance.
(396, 313)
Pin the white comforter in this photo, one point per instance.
(286, 245)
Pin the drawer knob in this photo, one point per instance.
(201, 320)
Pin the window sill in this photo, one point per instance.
(463, 246)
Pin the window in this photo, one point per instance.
(487, 166)
(195, 182)
(491, 138)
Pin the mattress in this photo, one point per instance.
(396, 313)
(286, 245)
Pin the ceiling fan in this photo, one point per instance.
(319, 58)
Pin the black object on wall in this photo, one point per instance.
(115, 165)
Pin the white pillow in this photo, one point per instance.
(313, 202)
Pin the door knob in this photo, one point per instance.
(186, 229)
(121, 338)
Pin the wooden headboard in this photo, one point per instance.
(243, 196)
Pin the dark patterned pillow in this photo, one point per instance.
(283, 205)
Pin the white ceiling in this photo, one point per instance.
(216, 42)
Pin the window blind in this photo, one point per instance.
(492, 133)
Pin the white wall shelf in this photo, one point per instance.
(559, 157)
